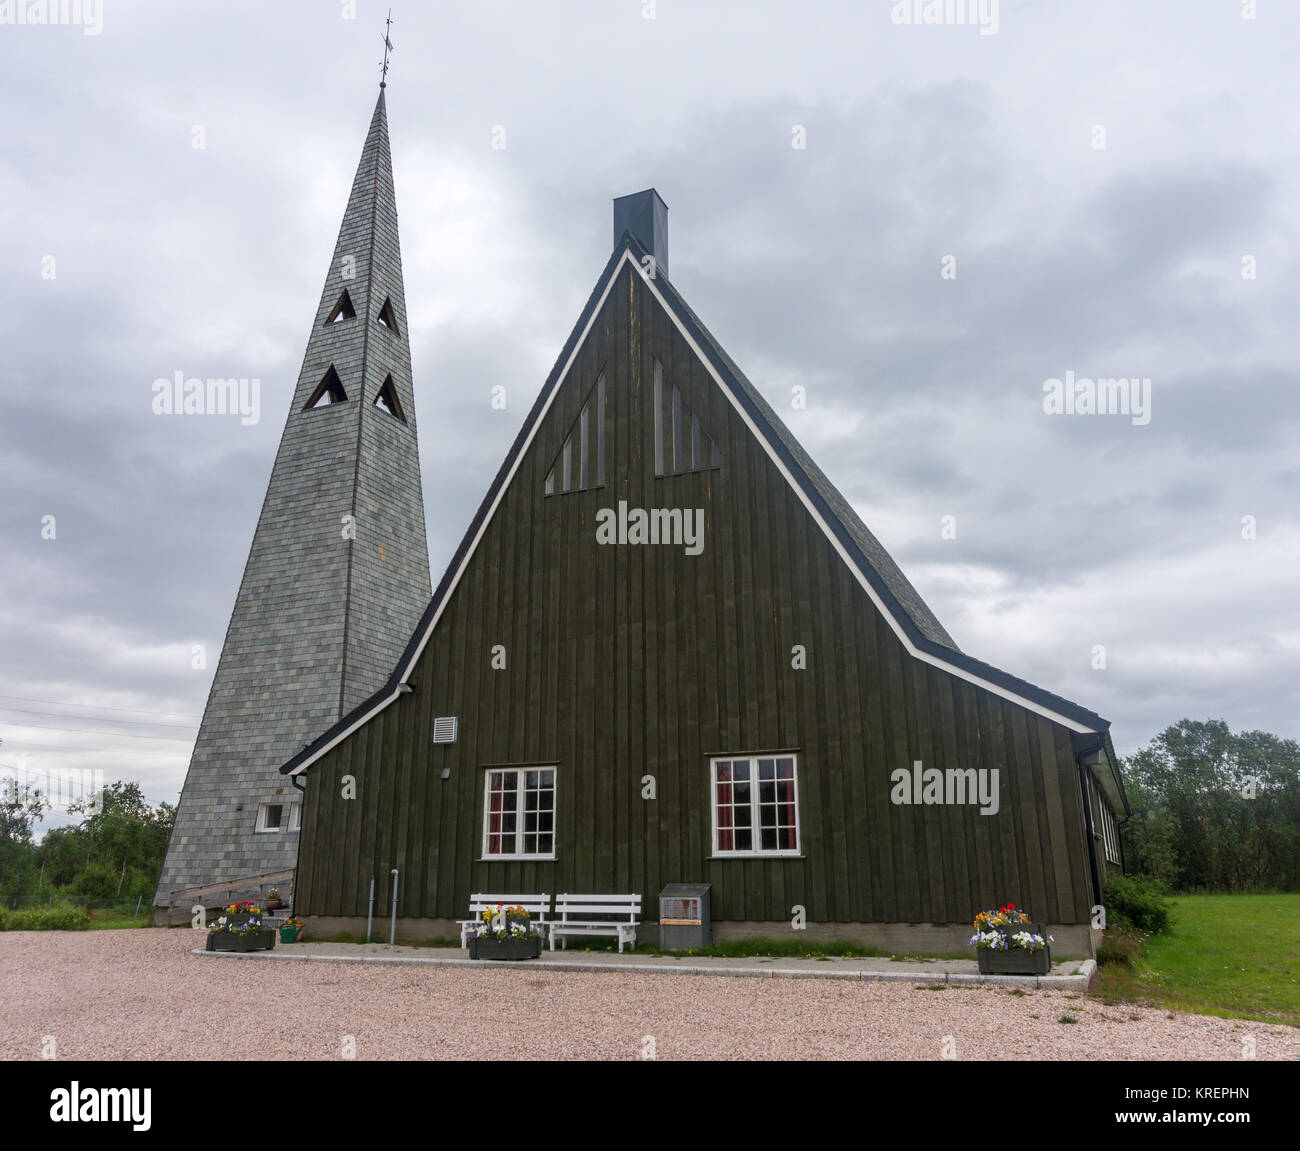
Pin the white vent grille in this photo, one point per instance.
(444, 729)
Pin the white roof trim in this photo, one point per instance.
(896, 627)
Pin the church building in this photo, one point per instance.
(667, 650)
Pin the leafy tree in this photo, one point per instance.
(1214, 810)
(20, 810)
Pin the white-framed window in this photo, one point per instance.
(755, 805)
(1109, 831)
(279, 816)
(519, 813)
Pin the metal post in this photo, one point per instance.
(392, 931)
(138, 900)
(370, 918)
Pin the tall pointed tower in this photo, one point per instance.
(338, 573)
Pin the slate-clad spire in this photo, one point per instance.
(338, 572)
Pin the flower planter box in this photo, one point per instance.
(527, 947)
(273, 904)
(1016, 960)
(260, 940)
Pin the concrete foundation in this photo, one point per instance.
(1072, 940)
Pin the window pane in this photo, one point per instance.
(659, 418)
(583, 453)
(677, 430)
(744, 839)
(768, 838)
(600, 430)
(566, 465)
(273, 813)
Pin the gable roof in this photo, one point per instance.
(898, 601)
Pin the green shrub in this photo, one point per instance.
(1137, 902)
(96, 881)
(1119, 946)
(46, 919)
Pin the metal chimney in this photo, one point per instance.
(645, 215)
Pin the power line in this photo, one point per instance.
(65, 715)
(93, 731)
(101, 707)
(65, 750)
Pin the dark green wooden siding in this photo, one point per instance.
(626, 661)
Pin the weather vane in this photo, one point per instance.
(388, 47)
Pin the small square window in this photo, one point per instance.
(270, 816)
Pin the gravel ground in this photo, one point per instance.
(141, 995)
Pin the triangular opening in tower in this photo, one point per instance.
(387, 317)
(682, 443)
(387, 399)
(581, 462)
(343, 310)
(328, 391)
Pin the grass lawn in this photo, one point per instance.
(1236, 956)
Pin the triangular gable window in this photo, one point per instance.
(387, 399)
(343, 310)
(581, 462)
(328, 391)
(387, 316)
(682, 443)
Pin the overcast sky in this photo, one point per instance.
(129, 254)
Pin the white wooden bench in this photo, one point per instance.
(574, 916)
(537, 906)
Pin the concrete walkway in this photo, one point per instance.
(1070, 973)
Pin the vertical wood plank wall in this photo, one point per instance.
(627, 661)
